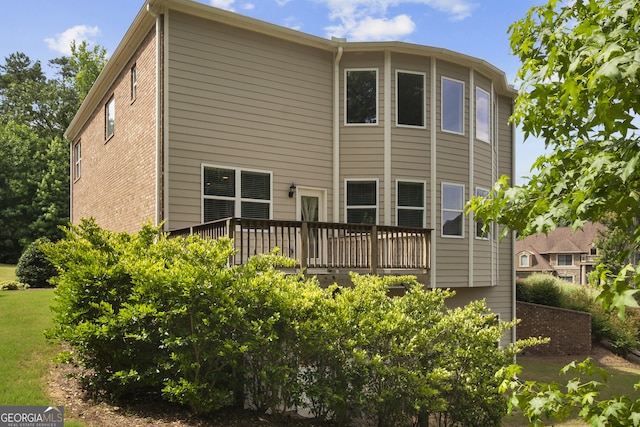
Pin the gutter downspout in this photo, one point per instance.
(336, 129)
(158, 109)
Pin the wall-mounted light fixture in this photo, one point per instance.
(292, 190)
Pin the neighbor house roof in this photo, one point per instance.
(562, 240)
(152, 9)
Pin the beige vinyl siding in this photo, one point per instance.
(410, 146)
(362, 146)
(245, 100)
(452, 158)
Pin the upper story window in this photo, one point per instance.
(229, 191)
(361, 100)
(565, 259)
(524, 260)
(410, 99)
(134, 82)
(481, 233)
(77, 159)
(362, 201)
(452, 104)
(593, 251)
(410, 203)
(109, 118)
(452, 210)
(483, 115)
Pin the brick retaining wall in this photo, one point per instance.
(569, 330)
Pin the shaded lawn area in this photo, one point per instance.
(7, 272)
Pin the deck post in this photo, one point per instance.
(373, 249)
(304, 245)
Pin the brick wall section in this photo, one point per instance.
(118, 177)
(570, 331)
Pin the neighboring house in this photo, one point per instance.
(563, 253)
(347, 156)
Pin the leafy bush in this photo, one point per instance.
(543, 289)
(12, 285)
(148, 313)
(522, 290)
(33, 267)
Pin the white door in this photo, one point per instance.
(311, 206)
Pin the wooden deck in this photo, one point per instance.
(323, 248)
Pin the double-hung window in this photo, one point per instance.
(452, 106)
(362, 201)
(565, 259)
(77, 159)
(481, 233)
(483, 115)
(230, 192)
(410, 203)
(410, 99)
(452, 210)
(134, 82)
(524, 260)
(361, 100)
(109, 118)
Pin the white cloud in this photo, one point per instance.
(282, 2)
(293, 23)
(382, 28)
(248, 6)
(223, 4)
(62, 42)
(368, 20)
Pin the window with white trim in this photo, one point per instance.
(109, 118)
(230, 192)
(565, 259)
(361, 201)
(452, 210)
(134, 82)
(410, 203)
(452, 106)
(361, 99)
(524, 260)
(77, 160)
(483, 115)
(410, 99)
(481, 233)
(566, 278)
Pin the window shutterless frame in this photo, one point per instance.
(361, 201)
(481, 234)
(229, 191)
(411, 196)
(411, 99)
(361, 96)
(109, 118)
(452, 212)
(77, 160)
(483, 115)
(452, 105)
(134, 82)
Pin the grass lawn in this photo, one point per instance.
(7, 272)
(25, 353)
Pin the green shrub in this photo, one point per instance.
(33, 267)
(12, 285)
(522, 290)
(543, 289)
(145, 313)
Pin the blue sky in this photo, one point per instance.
(43, 29)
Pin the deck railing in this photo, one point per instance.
(324, 245)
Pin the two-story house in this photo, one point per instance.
(563, 253)
(347, 156)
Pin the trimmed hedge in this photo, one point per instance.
(145, 313)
